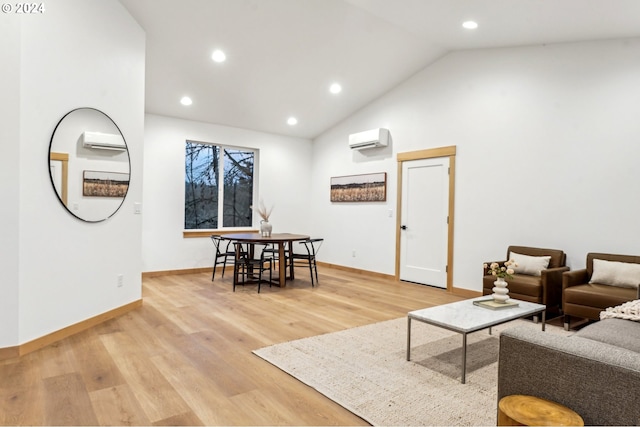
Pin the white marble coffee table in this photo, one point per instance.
(464, 317)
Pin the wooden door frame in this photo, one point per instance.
(64, 159)
(430, 153)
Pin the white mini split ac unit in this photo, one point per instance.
(103, 141)
(369, 139)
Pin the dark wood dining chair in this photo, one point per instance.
(224, 251)
(308, 257)
(245, 266)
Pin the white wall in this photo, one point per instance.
(283, 176)
(76, 54)
(9, 190)
(547, 149)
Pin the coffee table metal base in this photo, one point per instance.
(464, 349)
(457, 317)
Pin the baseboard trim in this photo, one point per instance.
(9, 352)
(467, 293)
(38, 343)
(357, 271)
(148, 274)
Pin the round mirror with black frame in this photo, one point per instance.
(89, 164)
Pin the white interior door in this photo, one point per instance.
(424, 229)
(56, 175)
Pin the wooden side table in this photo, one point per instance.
(521, 410)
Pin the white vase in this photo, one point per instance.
(265, 228)
(500, 291)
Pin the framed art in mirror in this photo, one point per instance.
(105, 184)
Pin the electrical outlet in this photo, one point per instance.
(120, 280)
(353, 253)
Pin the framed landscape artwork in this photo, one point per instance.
(104, 184)
(370, 187)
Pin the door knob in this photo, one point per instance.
(404, 227)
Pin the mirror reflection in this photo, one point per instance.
(89, 164)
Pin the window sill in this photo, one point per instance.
(188, 234)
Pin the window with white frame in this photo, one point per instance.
(219, 183)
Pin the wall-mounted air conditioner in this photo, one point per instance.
(369, 139)
(103, 141)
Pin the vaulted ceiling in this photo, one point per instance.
(283, 55)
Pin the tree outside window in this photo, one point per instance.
(216, 173)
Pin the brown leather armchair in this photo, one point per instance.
(586, 300)
(544, 289)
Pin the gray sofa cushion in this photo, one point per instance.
(617, 332)
(595, 379)
(580, 347)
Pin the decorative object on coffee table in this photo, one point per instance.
(500, 291)
(495, 305)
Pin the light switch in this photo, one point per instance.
(137, 208)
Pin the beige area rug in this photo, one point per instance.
(365, 370)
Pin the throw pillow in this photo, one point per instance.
(615, 273)
(628, 311)
(531, 265)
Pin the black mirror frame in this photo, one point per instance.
(53, 134)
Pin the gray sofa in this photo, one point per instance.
(595, 372)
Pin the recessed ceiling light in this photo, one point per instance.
(470, 25)
(186, 100)
(218, 56)
(335, 88)
(291, 121)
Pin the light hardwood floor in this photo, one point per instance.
(184, 357)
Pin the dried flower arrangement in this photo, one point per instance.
(501, 271)
(264, 212)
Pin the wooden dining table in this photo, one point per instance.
(279, 239)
